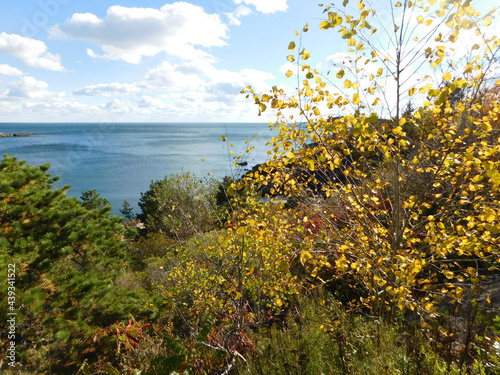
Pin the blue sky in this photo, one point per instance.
(150, 60)
(124, 60)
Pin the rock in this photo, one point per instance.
(25, 134)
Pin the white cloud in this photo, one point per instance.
(117, 105)
(240, 11)
(172, 77)
(28, 88)
(337, 60)
(30, 52)
(108, 89)
(193, 90)
(150, 102)
(266, 6)
(179, 29)
(8, 70)
(288, 66)
(202, 76)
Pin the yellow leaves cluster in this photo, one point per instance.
(416, 190)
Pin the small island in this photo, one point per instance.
(25, 134)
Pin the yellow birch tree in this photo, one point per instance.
(406, 202)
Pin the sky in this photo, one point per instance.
(125, 60)
(150, 60)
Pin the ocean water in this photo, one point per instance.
(119, 160)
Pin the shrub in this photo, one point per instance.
(179, 206)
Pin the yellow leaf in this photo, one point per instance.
(397, 130)
(347, 84)
(412, 91)
(379, 72)
(487, 22)
(490, 217)
(305, 256)
(493, 228)
(429, 306)
(324, 25)
(310, 165)
(289, 73)
(291, 46)
(341, 73)
(346, 34)
(317, 112)
(356, 99)
(447, 76)
(290, 58)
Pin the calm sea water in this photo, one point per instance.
(120, 160)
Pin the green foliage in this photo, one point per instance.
(319, 336)
(67, 261)
(152, 245)
(223, 198)
(92, 200)
(127, 211)
(179, 206)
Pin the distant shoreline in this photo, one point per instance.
(25, 134)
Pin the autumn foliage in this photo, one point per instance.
(368, 243)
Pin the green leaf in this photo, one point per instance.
(164, 365)
(373, 118)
